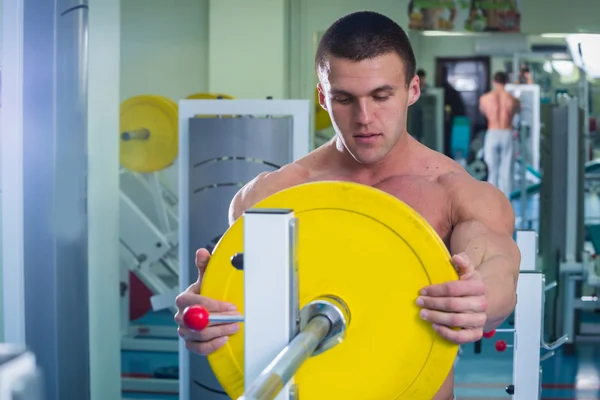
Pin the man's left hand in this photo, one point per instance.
(457, 304)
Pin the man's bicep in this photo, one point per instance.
(483, 212)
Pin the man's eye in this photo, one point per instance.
(342, 100)
(381, 98)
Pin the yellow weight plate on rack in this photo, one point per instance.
(148, 133)
(375, 253)
(322, 118)
(210, 96)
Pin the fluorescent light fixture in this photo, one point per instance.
(585, 52)
(554, 35)
(444, 33)
(563, 67)
(548, 67)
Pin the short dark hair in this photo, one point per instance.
(365, 35)
(500, 77)
(421, 73)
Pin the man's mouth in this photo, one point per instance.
(367, 137)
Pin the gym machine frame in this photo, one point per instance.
(533, 140)
(574, 268)
(255, 359)
(529, 324)
(143, 245)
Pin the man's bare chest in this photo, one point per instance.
(427, 198)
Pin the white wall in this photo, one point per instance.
(164, 51)
(559, 16)
(164, 47)
(241, 47)
(247, 51)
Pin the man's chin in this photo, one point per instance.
(366, 159)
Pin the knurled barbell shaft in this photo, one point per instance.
(276, 375)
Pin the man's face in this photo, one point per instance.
(368, 102)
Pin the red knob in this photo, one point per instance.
(501, 345)
(489, 334)
(195, 317)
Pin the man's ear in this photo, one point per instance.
(321, 96)
(414, 90)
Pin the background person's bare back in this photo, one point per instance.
(499, 108)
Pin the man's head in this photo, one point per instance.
(422, 78)
(366, 69)
(500, 79)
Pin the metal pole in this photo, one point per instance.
(273, 378)
(523, 170)
(584, 100)
(528, 335)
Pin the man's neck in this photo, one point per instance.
(373, 172)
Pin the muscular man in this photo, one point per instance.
(499, 108)
(367, 81)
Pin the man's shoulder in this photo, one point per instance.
(485, 96)
(471, 199)
(445, 167)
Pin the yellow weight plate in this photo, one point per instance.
(322, 119)
(210, 96)
(375, 253)
(158, 116)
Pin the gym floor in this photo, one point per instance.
(485, 375)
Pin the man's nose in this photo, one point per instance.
(363, 112)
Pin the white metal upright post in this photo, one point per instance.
(103, 201)
(528, 336)
(532, 109)
(572, 181)
(271, 309)
(527, 243)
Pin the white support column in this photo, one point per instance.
(527, 242)
(527, 338)
(269, 251)
(103, 199)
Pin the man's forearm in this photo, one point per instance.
(498, 273)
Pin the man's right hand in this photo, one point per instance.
(214, 336)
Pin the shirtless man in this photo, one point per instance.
(367, 81)
(499, 107)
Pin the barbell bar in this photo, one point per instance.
(323, 325)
